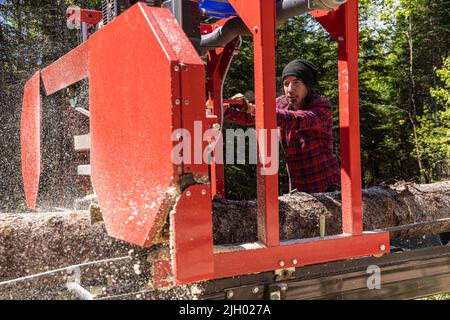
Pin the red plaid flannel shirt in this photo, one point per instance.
(306, 140)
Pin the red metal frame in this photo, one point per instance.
(78, 16)
(131, 124)
(269, 253)
(260, 19)
(298, 253)
(342, 24)
(219, 61)
(191, 236)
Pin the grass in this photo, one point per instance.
(441, 296)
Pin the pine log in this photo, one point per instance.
(384, 206)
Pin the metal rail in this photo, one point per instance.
(68, 268)
(403, 275)
(415, 225)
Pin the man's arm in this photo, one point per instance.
(236, 116)
(311, 119)
(316, 118)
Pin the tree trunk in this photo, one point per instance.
(383, 207)
(36, 242)
(412, 114)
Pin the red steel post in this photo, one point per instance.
(260, 19)
(348, 45)
(218, 63)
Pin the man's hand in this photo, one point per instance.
(246, 105)
(251, 108)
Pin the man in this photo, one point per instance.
(305, 120)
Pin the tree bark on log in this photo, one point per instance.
(395, 205)
(36, 242)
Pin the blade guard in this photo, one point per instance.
(30, 139)
(62, 73)
(135, 92)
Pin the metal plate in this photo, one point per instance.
(67, 70)
(192, 239)
(30, 126)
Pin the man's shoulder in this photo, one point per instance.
(320, 101)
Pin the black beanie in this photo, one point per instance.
(302, 69)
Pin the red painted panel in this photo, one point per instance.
(133, 85)
(177, 39)
(249, 12)
(265, 119)
(162, 276)
(67, 70)
(192, 240)
(30, 124)
(194, 114)
(192, 91)
(306, 253)
(331, 21)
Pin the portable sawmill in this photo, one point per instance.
(152, 67)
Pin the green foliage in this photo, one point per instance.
(300, 37)
(441, 296)
(434, 129)
(401, 117)
(384, 148)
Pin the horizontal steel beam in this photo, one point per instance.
(404, 275)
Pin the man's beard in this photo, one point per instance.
(293, 100)
(294, 103)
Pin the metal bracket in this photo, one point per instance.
(278, 291)
(285, 274)
(252, 292)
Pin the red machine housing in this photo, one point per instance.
(147, 80)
